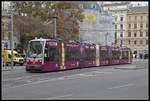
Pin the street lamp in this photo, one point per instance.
(106, 38)
(55, 26)
(10, 14)
(55, 32)
(12, 40)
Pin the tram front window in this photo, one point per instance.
(35, 49)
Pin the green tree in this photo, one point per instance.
(38, 21)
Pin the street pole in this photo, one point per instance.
(12, 40)
(54, 27)
(106, 38)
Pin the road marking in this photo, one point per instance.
(18, 78)
(121, 86)
(56, 97)
(75, 76)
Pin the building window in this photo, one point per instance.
(121, 35)
(121, 18)
(116, 18)
(115, 35)
(129, 41)
(135, 17)
(135, 25)
(141, 17)
(93, 6)
(115, 26)
(129, 17)
(146, 42)
(135, 52)
(129, 26)
(146, 33)
(121, 26)
(81, 6)
(135, 34)
(141, 41)
(15, 44)
(135, 42)
(129, 34)
(146, 25)
(141, 34)
(141, 25)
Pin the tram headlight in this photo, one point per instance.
(39, 61)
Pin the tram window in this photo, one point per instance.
(86, 55)
(103, 55)
(51, 54)
(131, 55)
(93, 54)
(67, 53)
(115, 55)
(54, 54)
(76, 53)
(89, 54)
(125, 55)
(72, 53)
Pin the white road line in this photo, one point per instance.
(34, 83)
(57, 97)
(24, 77)
(121, 86)
(76, 76)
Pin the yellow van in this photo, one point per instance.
(17, 59)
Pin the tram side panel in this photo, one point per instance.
(97, 56)
(72, 53)
(115, 55)
(104, 56)
(52, 61)
(130, 56)
(124, 56)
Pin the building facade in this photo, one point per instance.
(137, 30)
(6, 27)
(97, 26)
(119, 11)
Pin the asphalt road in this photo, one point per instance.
(89, 83)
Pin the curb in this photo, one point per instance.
(14, 68)
(129, 68)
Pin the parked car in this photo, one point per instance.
(24, 56)
(17, 58)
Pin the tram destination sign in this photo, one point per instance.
(52, 43)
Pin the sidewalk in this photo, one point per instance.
(7, 68)
(136, 64)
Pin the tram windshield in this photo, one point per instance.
(35, 49)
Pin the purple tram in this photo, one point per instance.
(126, 56)
(72, 53)
(54, 55)
(104, 55)
(88, 55)
(44, 55)
(115, 55)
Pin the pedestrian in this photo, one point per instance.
(135, 56)
(140, 56)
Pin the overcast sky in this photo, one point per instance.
(133, 2)
(143, 3)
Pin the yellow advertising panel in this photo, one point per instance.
(90, 17)
(63, 56)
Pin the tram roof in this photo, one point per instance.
(42, 39)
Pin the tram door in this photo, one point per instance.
(97, 55)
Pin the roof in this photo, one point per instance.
(116, 4)
(138, 9)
